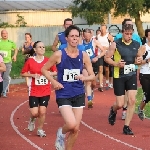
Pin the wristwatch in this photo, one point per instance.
(147, 61)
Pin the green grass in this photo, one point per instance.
(139, 98)
(17, 66)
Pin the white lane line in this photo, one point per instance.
(16, 129)
(110, 137)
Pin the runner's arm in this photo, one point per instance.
(88, 66)
(53, 60)
(55, 43)
(97, 43)
(109, 55)
(139, 58)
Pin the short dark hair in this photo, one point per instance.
(98, 30)
(87, 30)
(29, 34)
(125, 20)
(68, 19)
(146, 32)
(127, 27)
(72, 27)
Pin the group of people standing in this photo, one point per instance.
(78, 61)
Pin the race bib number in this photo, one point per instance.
(4, 53)
(41, 81)
(89, 52)
(69, 75)
(129, 68)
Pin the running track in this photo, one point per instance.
(95, 132)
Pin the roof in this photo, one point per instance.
(10, 5)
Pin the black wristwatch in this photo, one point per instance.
(147, 61)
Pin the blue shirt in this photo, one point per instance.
(134, 37)
(62, 38)
(89, 49)
(80, 47)
(67, 69)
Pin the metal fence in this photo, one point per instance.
(47, 34)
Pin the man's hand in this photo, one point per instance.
(14, 58)
(95, 59)
(139, 60)
(81, 77)
(121, 63)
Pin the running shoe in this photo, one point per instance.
(112, 117)
(41, 133)
(31, 125)
(90, 104)
(60, 140)
(141, 114)
(127, 130)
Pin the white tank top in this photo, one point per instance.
(104, 40)
(145, 68)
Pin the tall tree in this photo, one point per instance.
(95, 11)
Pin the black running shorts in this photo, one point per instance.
(75, 102)
(123, 84)
(38, 101)
(95, 67)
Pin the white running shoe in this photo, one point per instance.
(60, 140)
(110, 86)
(124, 115)
(41, 133)
(31, 125)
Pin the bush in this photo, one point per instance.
(17, 66)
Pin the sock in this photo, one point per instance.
(125, 126)
(89, 98)
(124, 108)
(107, 81)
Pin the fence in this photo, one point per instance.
(47, 34)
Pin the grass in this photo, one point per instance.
(139, 98)
(17, 66)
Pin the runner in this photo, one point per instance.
(70, 95)
(90, 46)
(60, 37)
(39, 89)
(105, 39)
(2, 69)
(6, 46)
(125, 51)
(26, 49)
(145, 75)
(136, 38)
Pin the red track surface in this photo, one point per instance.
(88, 139)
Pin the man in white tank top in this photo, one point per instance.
(145, 75)
(104, 38)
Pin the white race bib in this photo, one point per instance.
(129, 68)
(89, 52)
(4, 53)
(41, 81)
(69, 75)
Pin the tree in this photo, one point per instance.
(94, 11)
(20, 21)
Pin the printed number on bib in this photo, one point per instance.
(129, 68)
(69, 75)
(4, 53)
(41, 81)
(89, 52)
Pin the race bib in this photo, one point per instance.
(4, 53)
(129, 68)
(89, 52)
(69, 75)
(41, 81)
